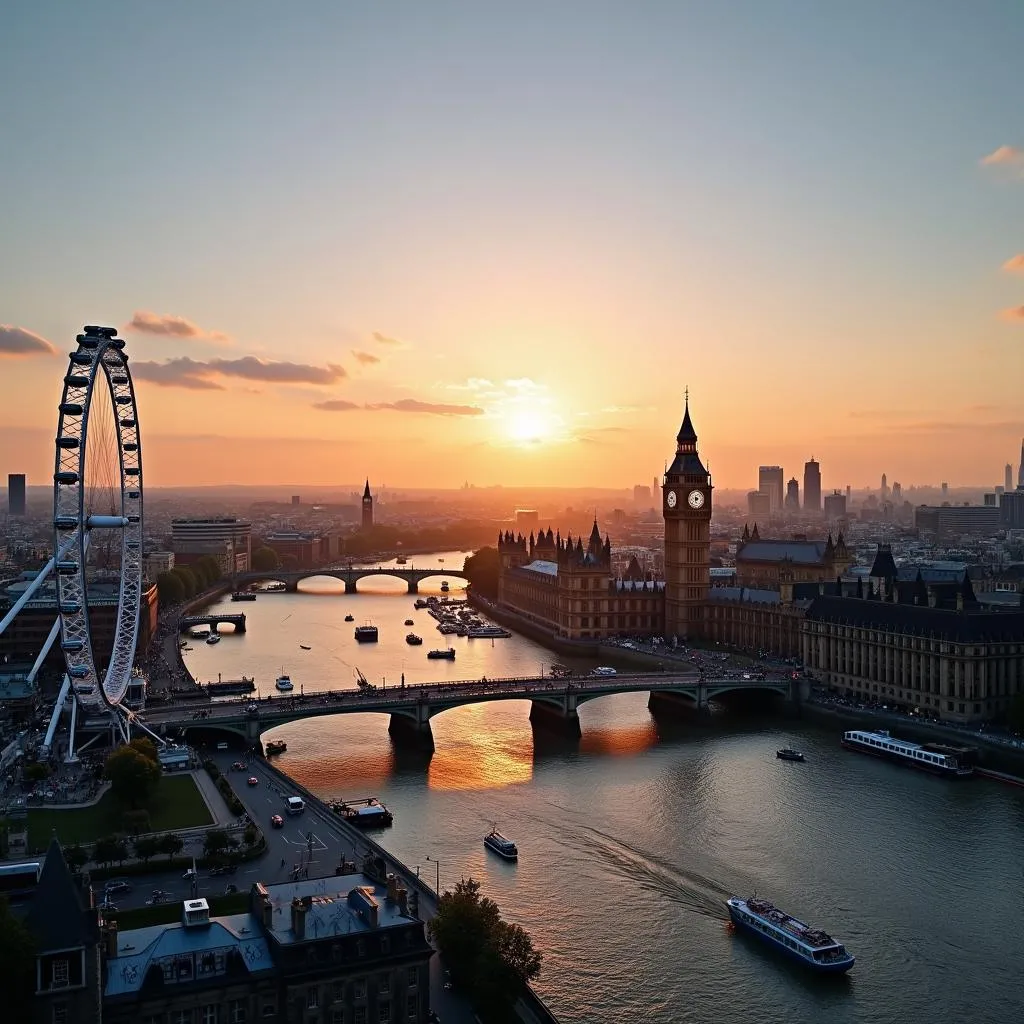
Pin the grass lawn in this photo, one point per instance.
(176, 804)
(169, 913)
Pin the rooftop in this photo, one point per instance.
(540, 565)
(801, 552)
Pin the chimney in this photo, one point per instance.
(960, 601)
(110, 940)
(299, 909)
(392, 888)
(361, 900)
(402, 895)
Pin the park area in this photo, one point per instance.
(175, 804)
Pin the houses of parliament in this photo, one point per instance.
(897, 636)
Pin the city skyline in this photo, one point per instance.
(432, 247)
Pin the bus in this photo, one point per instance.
(19, 879)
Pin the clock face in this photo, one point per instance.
(696, 499)
(670, 499)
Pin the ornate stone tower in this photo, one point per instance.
(367, 507)
(686, 506)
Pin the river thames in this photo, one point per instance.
(631, 838)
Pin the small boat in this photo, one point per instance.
(503, 847)
(409, 622)
(284, 683)
(487, 632)
(937, 758)
(401, 560)
(305, 648)
(366, 634)
(413, 640)
(350, 618)
(366, 813)
(213, 638)
(446, 655)
(243, 595)
(810, 946)
(183, 643)
(276, 747)
(789, 754)
(444, 586)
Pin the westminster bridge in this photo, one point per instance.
(349, 575)
(554, 702)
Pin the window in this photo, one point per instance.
(238, 1011)
(269, 1008)
(412, 1008)
(385, 944)
(337, 1017)
(360, 992)
(337, 991)
(181, 1017)
(210, 1014)
(384, 1014)
(384, 985)
(312, 999)
(59, 977)
(360, 1017)
(60, 1012)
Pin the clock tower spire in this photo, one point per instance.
(686, 507)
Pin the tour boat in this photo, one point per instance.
(487, 632)
(243, 595)
(276, 747)
(413, 640)
(503, 847)
(305, 647)
(447, 655)
(366, 634)
(409, 622)
(350, 618)
(284, 683)
(213, 638)
(927, 757)
(810, 946)
(401, 560)
(789, 754)
(366, 813)
(444, 586)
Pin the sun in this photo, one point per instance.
(530, 425)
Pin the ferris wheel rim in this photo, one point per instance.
(98, 351)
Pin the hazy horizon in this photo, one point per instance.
(445, 242)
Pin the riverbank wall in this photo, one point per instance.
(530, 1009)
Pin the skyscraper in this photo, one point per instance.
(812, 486)
(771, 481)
(16, 494)
(1020, 470)
(884, 489)
(793, 495)
(367, 507)
(1008, 477)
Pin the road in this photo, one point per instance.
(315, 840)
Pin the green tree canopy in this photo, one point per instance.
(169, 589)
(17, 965)
(132, 775)
(76, 857)
(110, 848)
(187, 579)
(146, 848)
(146, 747)
(216, 842)
(481, 570)
(171, 844)
(264, 559)
(136, 821)
(490, 958)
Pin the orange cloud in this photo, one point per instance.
(196, 375)
(411, 405)
(366, 358)
(1002, 156)
(18, 341)
(145, 322)
(1015, 264)
(1014, 315)
(383, 339)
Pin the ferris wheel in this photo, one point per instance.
(97, 511)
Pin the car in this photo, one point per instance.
(239, 766)
(118, 885)
(253, 781)
(108, 908)
(190, 874)
(277, 821)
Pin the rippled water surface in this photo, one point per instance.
(631, 839)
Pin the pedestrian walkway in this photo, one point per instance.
(218, 808)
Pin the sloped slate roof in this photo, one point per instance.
(803, 552)
(57, 916)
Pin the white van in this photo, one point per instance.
(604, 670)
(296, 805)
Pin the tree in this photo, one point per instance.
(171, 844)
(146, 848)
(290, 561)
(132, 775)
(187, 580)
(169, 589)
(492, 959)
(135, 822)
(216, 842)
(251, 835)
(76, 857)
(17, 965)
(108, 849)
(211, 569)
(264, 559)
(36, 771)
(481, 570)
(146, 747)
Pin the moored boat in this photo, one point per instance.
(812, 947)
(366, 634)
(413, 640)
(284, 682)
(409, 622)
(366, 813)
(789, 754)
(276, 747)
(446, 655)
(350, 618)
(213, 638)
(936, 758)
(503, 847)
(243, 595)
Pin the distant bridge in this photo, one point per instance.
(555, 702)
(213, 621)
(348, 575)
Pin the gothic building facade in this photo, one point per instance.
(367, 519)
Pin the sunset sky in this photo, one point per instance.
(432, 242)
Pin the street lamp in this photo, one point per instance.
(437, 883)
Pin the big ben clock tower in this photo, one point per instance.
(686, 506)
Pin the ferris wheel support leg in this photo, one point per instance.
(72, 757)
(50, 640)
(58, 707)
(35, 585)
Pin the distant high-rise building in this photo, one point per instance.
(945, 489)
(759, 504)
(812, 486)
(655, 495)
(835, 506)
(793, 495)
(771, 481)
(367, 521)
(883, 491)
(1011, 509)
(897, 491)
(849, 494)
(1008, 477)
(527, 518)
(990, 499)
(16, 494)
(642, 494)
(295, 499)
(1020, 468)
